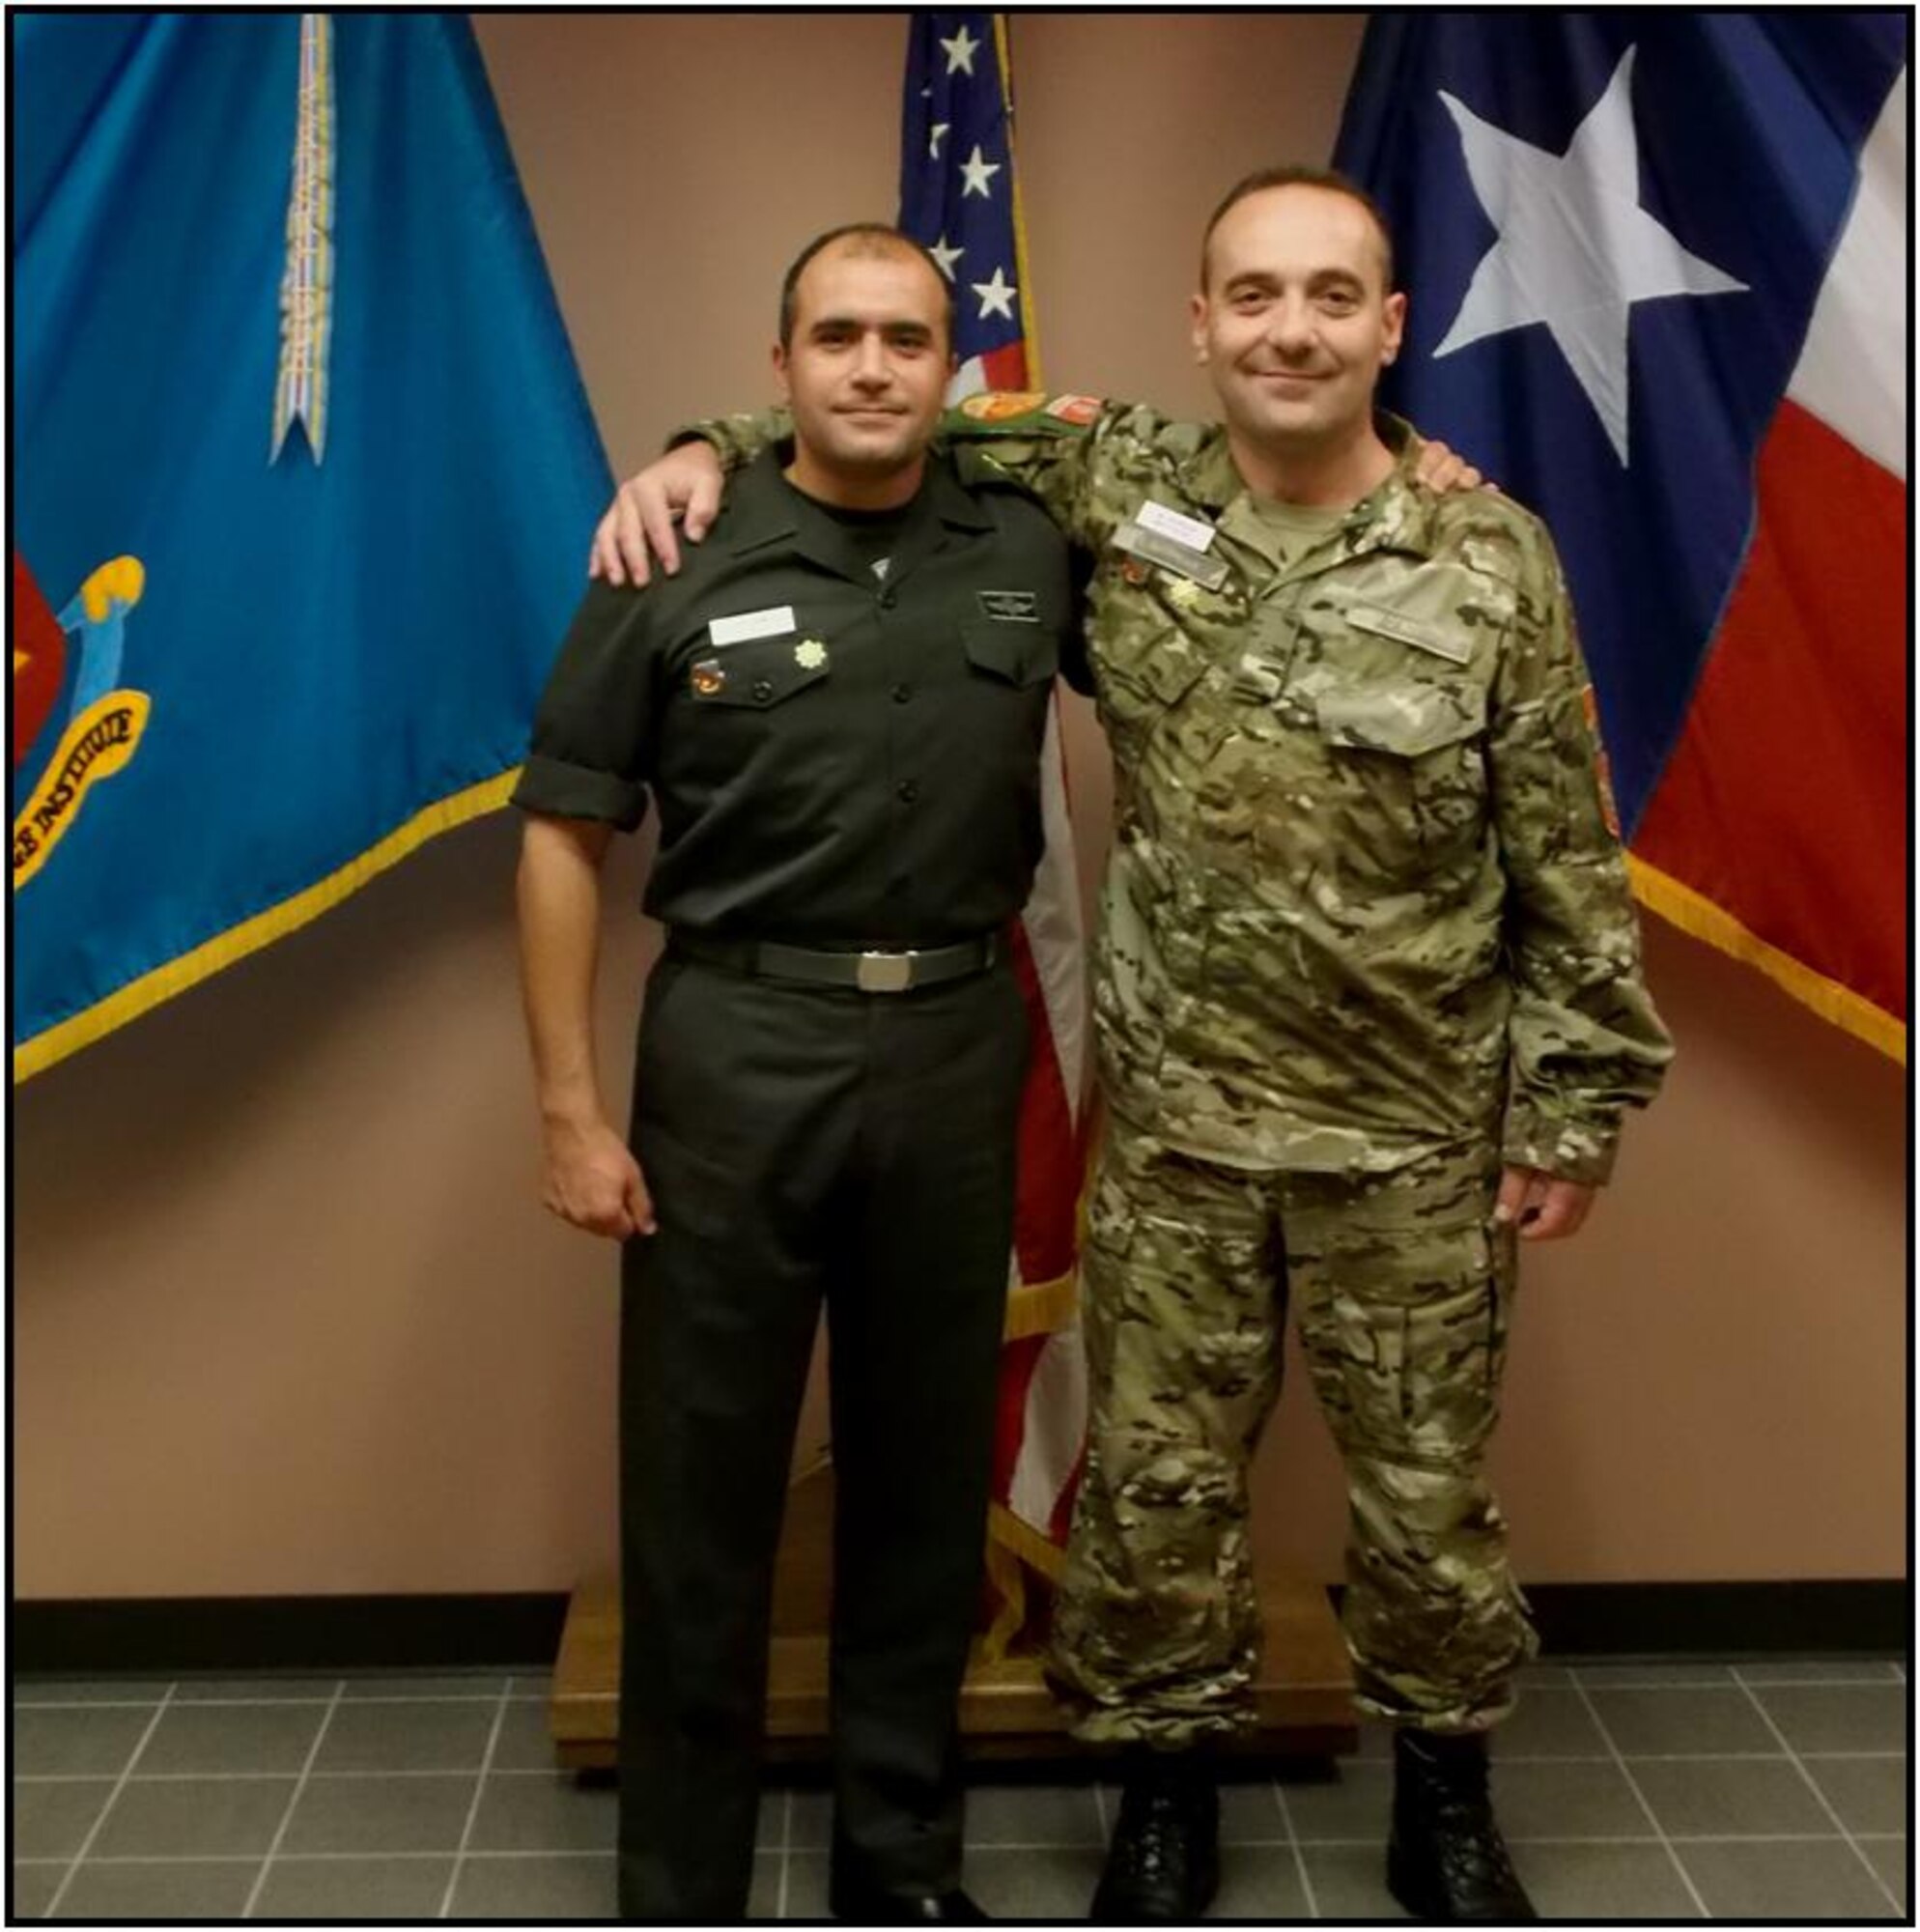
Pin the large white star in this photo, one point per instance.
(977, 171)
(960, 51)
(996, 297)
(946, 256)
(1576, 248)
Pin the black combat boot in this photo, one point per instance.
(1445, 1858)
(1163, 1867)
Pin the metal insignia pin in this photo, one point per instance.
(810, 654)
(708, 677)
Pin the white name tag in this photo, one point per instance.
(750, 624)
(1175, 523)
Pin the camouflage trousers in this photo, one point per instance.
(1401, 1292)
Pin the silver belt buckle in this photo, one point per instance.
(885, 972)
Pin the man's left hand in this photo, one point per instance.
(1540, 1206)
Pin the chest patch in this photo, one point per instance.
(1010, 607)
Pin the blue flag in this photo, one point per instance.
(1655, 267)
(303, 477)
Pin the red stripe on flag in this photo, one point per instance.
(1005, 368)
(1785, 801)
(1050, 1153)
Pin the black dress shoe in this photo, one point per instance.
(1163, 1867)
(1446, 1859)
(856, 1906)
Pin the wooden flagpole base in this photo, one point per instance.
(1304, 1691)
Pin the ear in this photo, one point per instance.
(780, 380)
(1196, 312)
(1393, 315)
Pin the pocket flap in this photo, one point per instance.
(1017, 653)
(1406, 720)
(757, 675)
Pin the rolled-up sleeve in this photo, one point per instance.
(593, 735)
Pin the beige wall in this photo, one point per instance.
(286, 1318)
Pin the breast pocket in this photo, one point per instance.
(758, 675)
(1408, 769)
(1011, 654)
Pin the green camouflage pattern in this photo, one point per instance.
(1366, 897)
(1403, 1292)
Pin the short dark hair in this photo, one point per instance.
(1297, 176)
(876, 238)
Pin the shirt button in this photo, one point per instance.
(896, 889)
(889, 598)
(907, 791)
(763, 689)
(901, 692)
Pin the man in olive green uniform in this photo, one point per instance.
(1369, 1007)
(839, 713)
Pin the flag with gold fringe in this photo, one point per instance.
(1658, 264)
(246, 679)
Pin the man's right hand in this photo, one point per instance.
(594, 1181)
(637, 531)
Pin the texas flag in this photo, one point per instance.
(1656, 263)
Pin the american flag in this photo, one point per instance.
(958, 197)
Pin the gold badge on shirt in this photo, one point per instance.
(709, 677)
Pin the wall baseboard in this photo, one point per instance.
(238, 1635)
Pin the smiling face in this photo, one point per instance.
(865, 373)
(1294, 322)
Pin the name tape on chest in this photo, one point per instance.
(1010, 607)
(1456, 647)
(775, 623)
(1151, 546)
(1176, 525)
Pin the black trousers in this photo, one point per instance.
(805, 1146)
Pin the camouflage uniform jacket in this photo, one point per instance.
(1365, 900)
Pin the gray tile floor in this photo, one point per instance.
(1629, 1791)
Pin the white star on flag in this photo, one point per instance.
(997, 296)
(960, 51)
(945, 255)
(1576, 248)
(939, 128)
(979, 171)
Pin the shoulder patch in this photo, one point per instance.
(1024, 413)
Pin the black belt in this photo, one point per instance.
(872, 972)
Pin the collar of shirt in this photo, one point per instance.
(767, 512)
(1398, 515)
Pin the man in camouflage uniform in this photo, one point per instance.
(1369, 1008)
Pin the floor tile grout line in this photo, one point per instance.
(1299, 1856)
(1822, 1798)
(1364, 1765)
(112, 1798)
(500, 1704)
(1640, 1797)
(287, 1816)
(786, 1853)
(1375, 1843)
(246, 1703)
